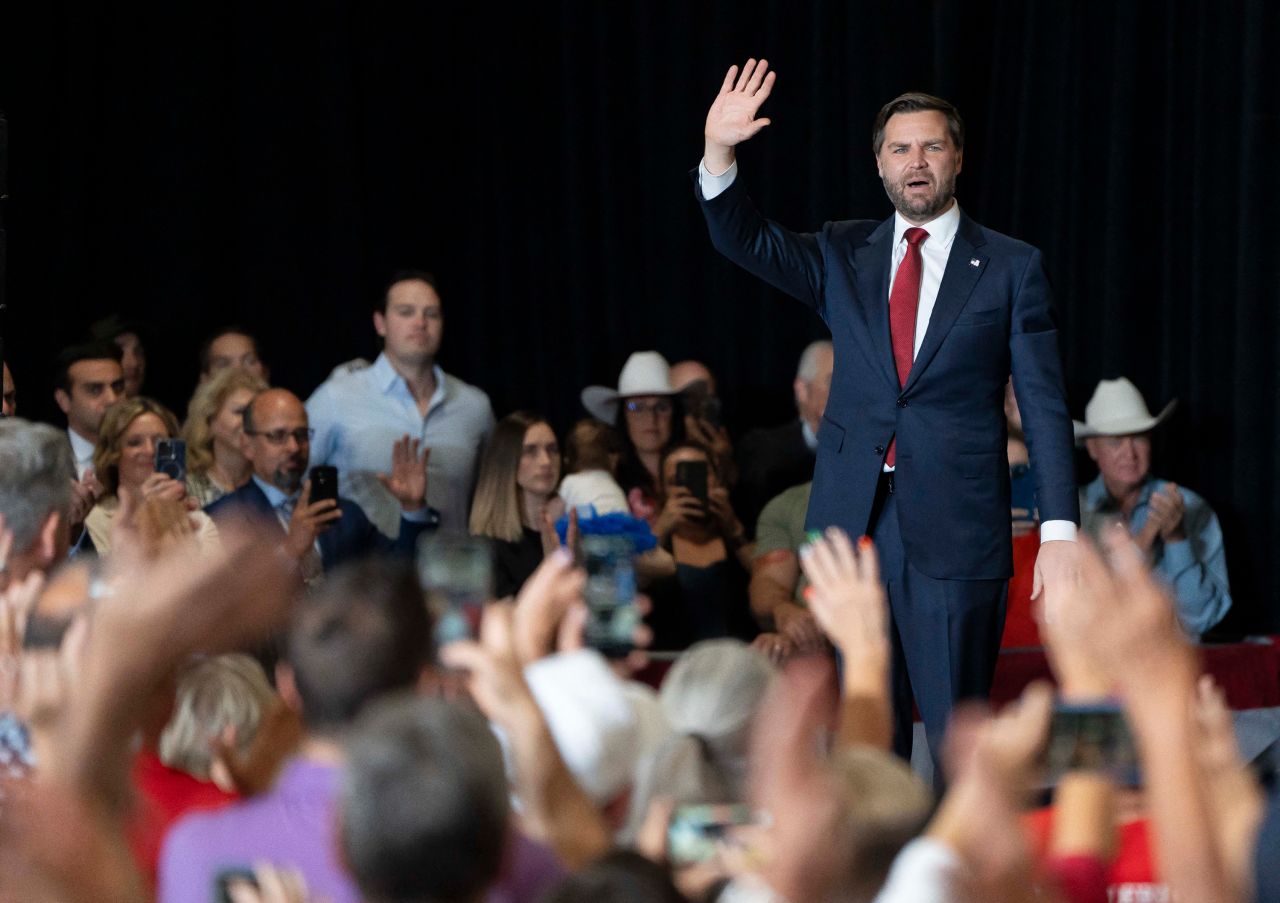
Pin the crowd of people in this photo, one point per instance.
(219, 681)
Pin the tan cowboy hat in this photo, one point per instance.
(644, 373)
(1117, 408)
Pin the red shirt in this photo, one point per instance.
(164, 795)
(1132, 876)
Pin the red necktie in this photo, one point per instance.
(904, 303)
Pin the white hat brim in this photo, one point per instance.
(1125, 426)
(601, 403)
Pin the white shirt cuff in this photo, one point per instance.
(417, 516)
(1055, 530)
(926, 871)
(712, 184)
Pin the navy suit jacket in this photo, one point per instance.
(992, 317)
(352, 535)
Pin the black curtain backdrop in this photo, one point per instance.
(253, 163)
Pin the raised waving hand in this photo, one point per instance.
(732, 117)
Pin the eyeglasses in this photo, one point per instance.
(302, 435)
(649, 407)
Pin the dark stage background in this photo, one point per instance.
(246, 162)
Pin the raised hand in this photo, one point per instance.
(542, 604)
(848, 600)
(732, 117)
(408, 478)
(495, 675)
(1125, 617)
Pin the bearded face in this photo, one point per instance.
(918, 164)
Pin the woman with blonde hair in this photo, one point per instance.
(124, 462)
(518, 476)
(215, 423)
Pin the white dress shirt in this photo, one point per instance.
(358, 416)
(934, 253)
(82, 451)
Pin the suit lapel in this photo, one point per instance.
(958, 280)
(871, 262)
(258, 501)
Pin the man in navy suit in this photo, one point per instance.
(319, 535)
(929, 313)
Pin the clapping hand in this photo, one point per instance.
(732, 117)
(408, 478)
(1166, 513)
(84, 495)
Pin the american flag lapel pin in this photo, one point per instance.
(975, 262)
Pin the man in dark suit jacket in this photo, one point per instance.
(929, 313)
(325, 533)
(775, 459)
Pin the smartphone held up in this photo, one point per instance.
(456, 574)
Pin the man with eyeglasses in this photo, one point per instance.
(359, 412)
(322, 534)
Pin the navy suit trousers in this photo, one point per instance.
(945, 636)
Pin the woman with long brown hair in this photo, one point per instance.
(519, 472)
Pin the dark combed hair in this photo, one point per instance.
(917, 102)
(206, 347)
(425, 805)
(687, 445)
(404, 275)
(364, 633)
(96, 350)
(622, 876)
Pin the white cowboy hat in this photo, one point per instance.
(644, 373)
(1117, 408)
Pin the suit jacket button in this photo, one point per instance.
(879, 449)
(902, 402)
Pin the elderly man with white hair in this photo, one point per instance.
(1173, 525)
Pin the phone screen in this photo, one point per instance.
(699, 833)
(1092, 738)
(692, 475)
(171, 458)
(227, 878)
(456, 574)
(610, 593)
(324, 483)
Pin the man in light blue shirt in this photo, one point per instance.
(1173, 525)
(359, 414)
